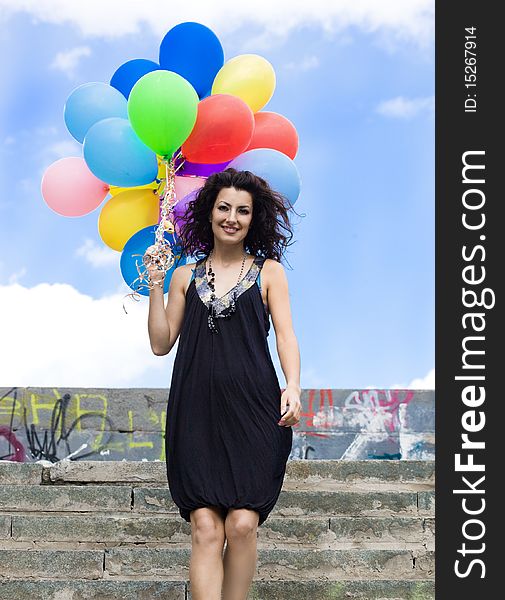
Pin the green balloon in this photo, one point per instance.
(162, 108)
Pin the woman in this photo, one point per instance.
(226, 445)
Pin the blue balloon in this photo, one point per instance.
(194, 52)
(127, 75)
(134, 250)
(116, 155)
(90, 103)
(275, 167)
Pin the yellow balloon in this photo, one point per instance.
(248, 76)
(125, 214)
(114, 191)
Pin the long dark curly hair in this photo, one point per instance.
(270, 231)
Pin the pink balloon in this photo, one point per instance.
(186, 189)
(70, 188)
(185, 185)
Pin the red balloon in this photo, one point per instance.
(272, 130)
(223, 129)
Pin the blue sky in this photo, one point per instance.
(359, 89)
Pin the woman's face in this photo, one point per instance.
(232, 215)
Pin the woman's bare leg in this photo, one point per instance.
(240, 555)
(207, 542)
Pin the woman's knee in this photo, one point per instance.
(207, 526)
(241, 524)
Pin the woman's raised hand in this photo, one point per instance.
(152, 264)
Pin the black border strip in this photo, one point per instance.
(469, 270)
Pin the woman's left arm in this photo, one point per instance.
(287, 344)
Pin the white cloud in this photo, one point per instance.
(62, 149)
(96, 255)
(16, 276)
(42, 131)
(306, 64)
(310, 378)
(406, 108)
(61, 337)
(421, 383)
(409, 19)
(43, 141)
(68, 60)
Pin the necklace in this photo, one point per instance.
(213, 297)
(212, 274)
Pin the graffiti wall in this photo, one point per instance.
(113, 424)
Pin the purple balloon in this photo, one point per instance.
(199, 169)
(180, 208)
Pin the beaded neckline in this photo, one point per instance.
(220, 305)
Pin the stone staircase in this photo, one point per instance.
(103, 530)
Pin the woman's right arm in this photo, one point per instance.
(164, 324)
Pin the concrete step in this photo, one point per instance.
(154, 472)
(176, 590)
(296, 470)
(273, 564)
(122, 498)
(85, 498)
(323, 503)
(113, 528)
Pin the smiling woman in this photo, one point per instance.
(232, 221)
(228, 428)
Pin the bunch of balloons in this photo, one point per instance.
(153, 135)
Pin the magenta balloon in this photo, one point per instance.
(70, 188)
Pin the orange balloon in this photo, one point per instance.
(272, 130)
(223, 130)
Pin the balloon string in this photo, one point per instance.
(181, 165)
(162, 255)
(168, 200)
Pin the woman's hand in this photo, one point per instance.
(290, 397)
(150, 260)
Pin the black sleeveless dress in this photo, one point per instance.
(223, 445)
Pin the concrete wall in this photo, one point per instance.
(114, 424)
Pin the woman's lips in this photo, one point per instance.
(229, 230)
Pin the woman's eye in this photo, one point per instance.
(243, 211)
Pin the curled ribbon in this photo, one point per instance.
(161, 254)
